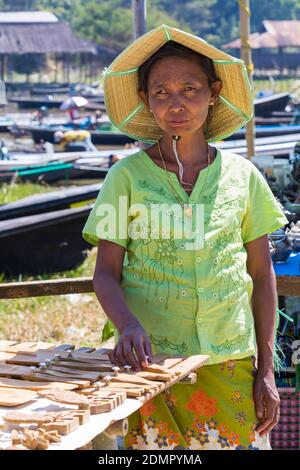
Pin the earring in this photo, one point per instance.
(150, 110)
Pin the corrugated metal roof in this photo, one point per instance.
(27, 17)
(41, 38)
(277, 34)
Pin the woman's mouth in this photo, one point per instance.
(178, 123)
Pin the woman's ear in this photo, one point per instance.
(144, 98)
(216, 88)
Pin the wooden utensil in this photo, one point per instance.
(65, 396)
(15, 397)
(28, 385)
(17, 417)
(49, 378)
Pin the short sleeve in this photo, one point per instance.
(108, 219)
(263, 213)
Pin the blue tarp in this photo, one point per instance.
(290, 268)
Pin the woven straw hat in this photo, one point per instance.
(126, 110)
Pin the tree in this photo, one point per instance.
(109, 22)
(18, 5)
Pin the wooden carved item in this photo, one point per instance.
(15, 397)
(65, 396)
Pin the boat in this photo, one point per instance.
(100, 158)
(64, 198)
(5, 123)
(99, 137)
(50, 90)
(43, 243)
(52, 172)
(276, 102)
(36, 102)
(269, 121)
(268, 131)
(107, 137)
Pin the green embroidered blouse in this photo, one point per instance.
(190, 301)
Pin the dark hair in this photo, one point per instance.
(172, 48)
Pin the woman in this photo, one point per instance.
(204, 284)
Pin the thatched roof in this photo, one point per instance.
(44, 34)
(277, 34)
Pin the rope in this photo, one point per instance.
(244, 7)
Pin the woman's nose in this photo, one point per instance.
(176, 104)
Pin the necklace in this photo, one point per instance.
(186, 210)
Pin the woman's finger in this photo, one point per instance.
(272, 425)
(148, 351)
(111, 356)
(141, 352)
(130, 357)
(121, 361)
(259, 406)
(271, 411)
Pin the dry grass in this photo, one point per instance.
(76, 318)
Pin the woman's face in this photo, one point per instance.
(179, 95)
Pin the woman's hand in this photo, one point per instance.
(133, 348)
(267, 402)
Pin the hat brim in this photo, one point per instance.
(126, 110)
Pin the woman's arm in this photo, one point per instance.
(133, 347)
(264, 302)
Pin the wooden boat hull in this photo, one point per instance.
(277, 102)
(44, 243)
(38, 102)
(50, 201)
(46, 134)
(53, 173)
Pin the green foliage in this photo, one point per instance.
(14, 191)
(107, 332)
(108, 23)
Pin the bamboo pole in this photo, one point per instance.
(245, 13)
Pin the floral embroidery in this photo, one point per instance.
(233, 439)
(231, 278)
(162, 428)
(148, 409)
(241, 417)
(203, 438)
(161, 191)
(170, 400)
(237, 397)
(165, 257)
(223, 429)
(162, 441)
(151, 423)
(223, 441)
(228, 344)
(199, 426)
(229, 367)
(202, 405)
(206, 414)
(212, 424)
(173, 438)
(164, 344)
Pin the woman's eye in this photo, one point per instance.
(189, 88)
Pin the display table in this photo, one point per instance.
(84, 433)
